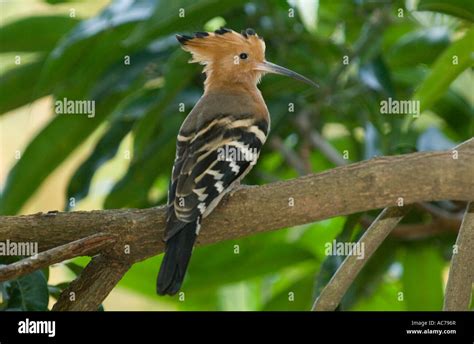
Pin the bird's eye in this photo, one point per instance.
(243, 56)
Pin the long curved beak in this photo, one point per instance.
(269, 67)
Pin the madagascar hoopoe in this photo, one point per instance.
(218, 142)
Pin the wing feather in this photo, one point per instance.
(203, 172)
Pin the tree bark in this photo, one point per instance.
(373, 237)
(96, 281)
(461, 274)
(374, 184)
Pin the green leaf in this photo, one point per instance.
(177, 76)
(14, 93)
(453, 103)
(105, 150)
(117, 14)
(332, 262)
(92, 47)
(297, 297)
(422, 46)
(35, 33)
(384, 298)
(376, 75)
(74, 267)
(56, 290)
(44, 153)
(444, 72)
(372, 275)
(28, 293)
(459, 8)
(68, 131)
(132, 190)
(308, 11)
(46, 273)
(422, 278)
(68, 62)
(259, 255)
(135, 105)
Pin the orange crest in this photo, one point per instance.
(232, 59)
(208, 47)
(226, 54)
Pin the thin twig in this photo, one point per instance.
(290, 156)
(373, 237)
(318, 142)
(82, 247)
(415, 231)
(441, 213)
(303, 122)
(461, 274)
(419, 231)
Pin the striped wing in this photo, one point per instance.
(209, 160)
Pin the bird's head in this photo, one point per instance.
(230, 57)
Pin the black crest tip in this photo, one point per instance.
(201, 34)
(183, 38)
(250, 32)
(222, 31)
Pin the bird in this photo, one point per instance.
(219, 141)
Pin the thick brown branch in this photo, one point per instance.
(461, 273)
(373, 184)
(373, 237)
(82, 247)
(96, 281)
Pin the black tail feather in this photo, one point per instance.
(175, 262)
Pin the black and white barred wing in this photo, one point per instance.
(209, 162)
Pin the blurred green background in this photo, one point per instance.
(123, 55)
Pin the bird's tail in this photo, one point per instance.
(175, 262)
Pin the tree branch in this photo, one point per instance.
(373, 184)
(92, 286)
(373, 237)
(461, 273)
(419, 231)
(367, 185)
(82, 247)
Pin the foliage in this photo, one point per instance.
(393, 51)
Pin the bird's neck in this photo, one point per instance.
(218, 84)
(248, 91)
(229, 80)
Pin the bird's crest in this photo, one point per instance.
(232, 59)
(208, 47)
